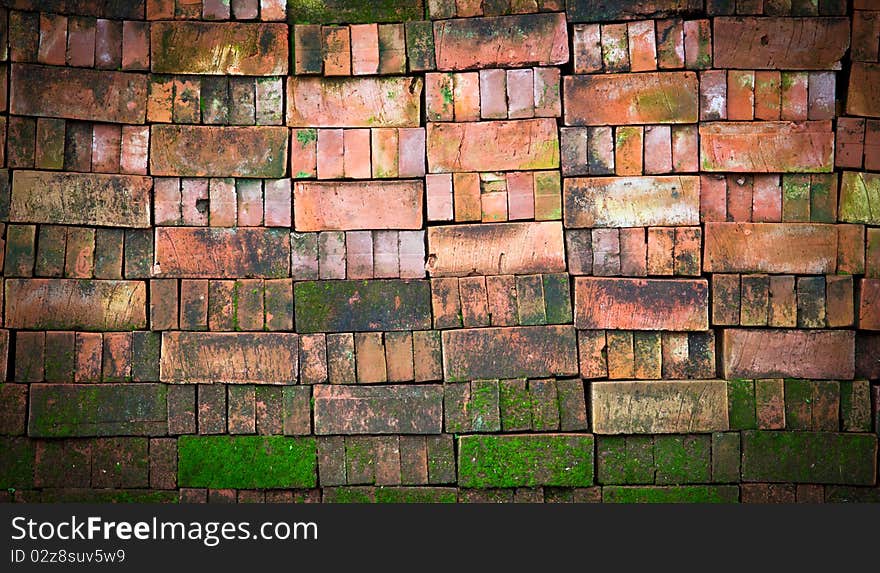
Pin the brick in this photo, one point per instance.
(115, 97)
(770, 404)
(392, 49)
(70, 304)
(713, 95)
(649, 98)
(241, 410)
(246, 462)
(606, 252)
(481, 354)
(353, 102)
(658, 407)
(229, 357)
(337, 50)
(185, 252)
(741, 95)
(117, 357)
(625, 460)
(163, 463)
(755, 301)
(766, 199)
(20, 246)
(631, 201)
(145, 353)
(62, 463)
(340, 205)
(525, 460)
(628, 149)
(642, 46)
(783, 302)
(399, 356)
(621, 355)
(682, 459)
(855, 406)
(860, 198)
(839, 301)
(768, 95)
(249, 197)
(755, 147)
(270, 410)
(247, 49)
(81, 42)
(670, 43)
(427, 361)
(697, 44)
(520, 94)
(462, 44)
(869, 304)
(190, 151)
(615, 55)
(466, 96)
(385, 145)
(411, 152)
(485, 146)
(662, 304)
(80, 199)
(485, 249)
(815, 354)
(410, 409)
(379, 305)
(863, 81)
(808, 457)
(780, 43)
(770, 247)
(794, 96)
(64, 410)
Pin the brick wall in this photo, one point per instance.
(440, 250)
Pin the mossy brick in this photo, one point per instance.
(671, 494)
(109, 253)
(219, 48)
(120, 462)
(557, 298)
(525, 460)
(349, 494)
(63, 463)
(353, 11)
(530, 300)
(17, 469)
(849, 494)
(138, 260)
(420, 46)
(572, 405)
(238, 252)
(726, 457)
(741, 404)
(360, 460)
(483, 406)
(798, 404)
(416, 495)
(59, 359)
(77, 93)
(605, 11)
(233, 357)
(246, 462)
(515, 404)
(102, 496)
(52, 241)
(145, 354)
(625, 459)
(331, 460)
(654, 97)
(795, 198)
(545, 405)
(441, 459)
(823, 198)
(64, 410)
(5, 195)
(20, 253)
(855, 406)
(859, 198)
(400, 409)
(809, 457)
(682, 459)
(359, 306)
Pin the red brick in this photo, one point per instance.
(548, 100)
(661, 243)
(606, 252)
(633, 252)
(770, 247)
(411, 152)
(337, 50)
(106, 147)
(59, 360)
(160, 99)
(392, 49)
(474, 301)
(466, 196)
(821, 95)
(24, 36)
(628, 150)
(864, 81)
(795, 100)
(642, 46)
(852, 245)
(439, 97)
(399, 356)
(245, 49)
(492, 353)
(869, 304)
(135, 145)
(30, 349)
(163, 304)
(75, 304)
(303, 153)
(427, 361)
(780, 43)
(615, 55)
(53, 39)
(466, 96)
(249, 196)
(331, 154)
(207, 151)
(296, 410)
(89, 348)
(493, 90)
(520, 196)
(195, 357)
(641, 304)
(492, 146)
(741, 95)
(116, 357)
(587, 49)
(79, 258)
(713, 95)
(135, 45)
(221, 253)
(520, 94)
(412, 254)
(497, 248)
(194, 305)
(186, 102)
(307, 49)
(631, 201)
(331, 255)
(353, 102)
(359, 254)
(766, 199)
(839, 301)
(313, 359)
(81, 42)
(506, 41)
(656, 97)
(697, 44)
(384, 145)
(865, 31)
(767, 147)
(340, 358)
(768, 95)
(342, 205)
(409, 409)
(685, 152)
(163, 463)
(814, 354)
(49, 91)
(277, 203)
(386, 254)
(658, 149)
(783, 302)
(670, 43)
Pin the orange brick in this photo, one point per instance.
(341, 205)
(677, 92)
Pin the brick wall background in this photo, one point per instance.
(440, 250)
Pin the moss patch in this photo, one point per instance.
(680, 494)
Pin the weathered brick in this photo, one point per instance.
(231, 48)
(353, 102)
(525, 351)
(625, 460)
(64, 410)
(631, 201)
(192, 357)
(815, 354)
(655, 97)
(209, 151)
(492, 145)
(641, 304)
(767, 147)
(376, 305)
(506, 41)
(770, 247)
(809, 457)
(410, 409)
(322, 206)
(859, 198)
(246, 461)
(495, 249)
(525, 460)
(657, 407)
(71, 304)
(50, 91)
(602, 11)
(864, 80)
(192, 252)
(80, 199)
(780, 43)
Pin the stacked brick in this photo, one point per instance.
(440, 251)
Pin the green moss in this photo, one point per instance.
(353, 11)
(515, 404)
(350, 494)
(625, 460)
(484, 406)
(680, 494)
(306, 136)
(416, 495)
(682, 459)
(235, 324)
(17, 469)
(526, 460)
(446, 93)
(741, 404)
(246, 462)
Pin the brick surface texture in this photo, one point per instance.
(440, 251)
